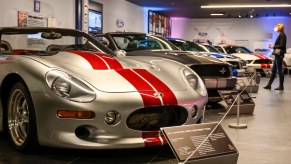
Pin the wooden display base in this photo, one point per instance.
(247, 105)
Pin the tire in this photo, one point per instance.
(21, 124)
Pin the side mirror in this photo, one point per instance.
(120, 53)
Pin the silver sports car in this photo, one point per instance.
(62, 88)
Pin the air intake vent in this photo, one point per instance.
(153, 118)
(212, 70)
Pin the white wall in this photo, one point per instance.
(235, 30)
(132, 15)
(63, 10)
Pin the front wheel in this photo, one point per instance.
(21, 119)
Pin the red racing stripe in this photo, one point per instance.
(99, 61)
(96, 62)
(112, 62)
(259, 56)
(154, 138)
(145, 90)
(168, 96)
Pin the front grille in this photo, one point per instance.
(153, 118)
(213, 70)
(236, 64)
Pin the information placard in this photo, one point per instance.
(185, 139)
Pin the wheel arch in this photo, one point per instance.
(6, 86)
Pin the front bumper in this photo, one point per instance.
(57, 132)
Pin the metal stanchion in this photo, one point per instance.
(238, 125)
(203, 114)
(251, 83)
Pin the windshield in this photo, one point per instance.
(211, 49)
(187, 45)
(44, 42)
(236, 49)
(130, 42)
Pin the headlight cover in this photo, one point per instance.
(195, 82)
(69, 87)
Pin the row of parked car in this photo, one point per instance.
(65, 88)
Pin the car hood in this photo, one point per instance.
(119, 74)
(185, 57)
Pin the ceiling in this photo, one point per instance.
(192, 9)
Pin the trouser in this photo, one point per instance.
(277, 68)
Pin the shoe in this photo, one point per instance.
(267, 87)
(279, 88)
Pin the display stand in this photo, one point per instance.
(248, 83)
(201, 144)
(247, 105)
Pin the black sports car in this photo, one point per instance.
(217, 75)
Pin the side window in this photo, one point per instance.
(219, 49)
(103, 40)
(124, 43)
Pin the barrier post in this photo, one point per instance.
(238, 125)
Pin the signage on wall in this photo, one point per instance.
(119, 23)
(202, 34)
(159, 24)
(25, 19)
(36, 6)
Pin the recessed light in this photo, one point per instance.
(216, 14)
(246, 6)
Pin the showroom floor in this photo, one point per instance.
(266, 140)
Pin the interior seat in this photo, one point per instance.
(6, 48)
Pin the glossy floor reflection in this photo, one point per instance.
(266, 140)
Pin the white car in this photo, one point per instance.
(255, 62)
(259, 63)
(239, 65)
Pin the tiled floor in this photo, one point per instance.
(266, 140)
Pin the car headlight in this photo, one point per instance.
(195, 82)
(69, 87)
(192, 80)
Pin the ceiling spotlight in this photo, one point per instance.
(239, 15)
(217, 14)
(251, 16)
(246, 6)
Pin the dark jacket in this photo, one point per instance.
(281, 42)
